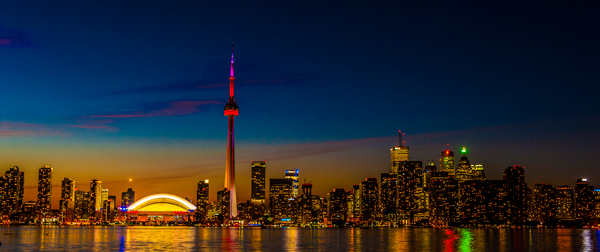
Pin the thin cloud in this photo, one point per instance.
(175, 108)
(20, 129)
(186, 86)
(93, 124)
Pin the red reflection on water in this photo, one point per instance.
(449, 241)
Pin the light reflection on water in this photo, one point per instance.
(31, 238)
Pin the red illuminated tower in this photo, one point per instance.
(231, 110)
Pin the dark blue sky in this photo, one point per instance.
(517, 82)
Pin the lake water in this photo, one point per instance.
(32, 238)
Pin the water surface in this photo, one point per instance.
(32, 238)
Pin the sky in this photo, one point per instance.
(119, 90)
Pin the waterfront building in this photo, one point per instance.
(231, 111)
(369, 197)
(161, 208)
(202, 201)
(224, 204)
(258, 181)
(597, 203)
(389, 196)
(44, 198)
(564, 202)
(410, 190)
(517, 194)
(280, 193)
(14, 188)
(95, 196)
(293, 175)
(67, 200)
(306, 207)
(443, 205)
(127, 198)
(337, 206)
(28, 213)
(447, 163)
(354, 204)
(82, 205)
(544, 202)
(584, 200)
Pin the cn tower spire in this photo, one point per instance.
(231, 111)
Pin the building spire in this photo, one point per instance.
(231, 71)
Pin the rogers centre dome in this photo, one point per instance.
(160, 207)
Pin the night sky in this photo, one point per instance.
(113, 90)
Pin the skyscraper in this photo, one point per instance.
(95, 196)
(337, 206)
(202, 200)
(67, 199)
(463, 171)
(399, 153)
(280, 192)
(564, 202)
(293, 175)
(258, 181)
(369, 197)
(231, 110)
(44, 199)
(14, 190)
(82, 205)
(127, 198)
(517, 194)
(584, 200)
(447, 162)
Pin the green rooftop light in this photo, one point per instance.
(464, 150)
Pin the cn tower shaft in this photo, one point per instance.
(231, 110)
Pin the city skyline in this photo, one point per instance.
(316, 96)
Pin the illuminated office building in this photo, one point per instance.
(202, 200)
(306, 212)
(337, 206)
(463, 170)
(544, 202)
(410, 189)
(293, 175)
(281, 192)
(584, 200)
(355, 207)
(224, 204)
(477, 172)
(67, 200)
(399, 153)
(447, 163)
(104, 195)
(443, 193)
(389, 195)
(44, 199)
(564, 202)
(82, 205)
(127, 198)
(597, 203)
(14, 181)
(369, 190)
(258, 181)
(517, 194)
(95, 196)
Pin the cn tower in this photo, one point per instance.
(231, 110)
